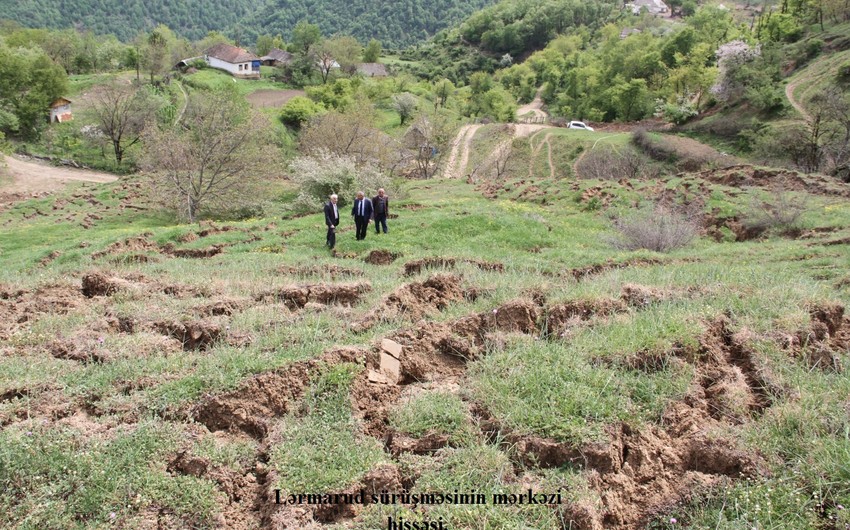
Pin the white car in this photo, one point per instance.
(579, 125)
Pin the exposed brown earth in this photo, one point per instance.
(381, 257)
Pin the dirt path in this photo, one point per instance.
(789, 93)
(185, 103)
(535, 107)
(460, 149)
(535, 150)
(30, 178)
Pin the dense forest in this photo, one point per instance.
(396, 23)
(192, 19)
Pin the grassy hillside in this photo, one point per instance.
(159, 373)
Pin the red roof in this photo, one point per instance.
(231, 54)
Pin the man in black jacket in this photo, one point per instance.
(331, 220)
(362, 212)
(381, 205)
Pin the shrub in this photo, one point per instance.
(605, 163)
(298, 110)
(658, 229)
(653, 148)
(781, 212)
(323, 173)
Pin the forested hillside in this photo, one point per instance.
(192, 19)
(395, 23)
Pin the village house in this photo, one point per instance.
(276, 57)
(372, 70)
(60, 111)
(654, 7)
(237, 61)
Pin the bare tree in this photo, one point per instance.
(352, 133)
(216, 156)
(122, 111)
(426, 141)
(323, 53)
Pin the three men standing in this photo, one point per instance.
(331, 220)
(362, 212)
(381, 205)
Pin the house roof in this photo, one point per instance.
(276, 54)
(372, 69)
(231, 54)
(628, 31)
(59, 102)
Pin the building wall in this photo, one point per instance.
(61, 114)
(223, 65)
(234, 68)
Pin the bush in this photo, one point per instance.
(658, 229)
(653, 148)
(298, 110)
(781, 213)
(324, 173)
(607, 164)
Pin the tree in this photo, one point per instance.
(345, 50)
(154, 53)
(323, 173)
(324, 57)
(216, 156)
(264, 44)
(352, 134)
(405, 105)
(442, 90)
(372, 52)
(427, 140)
(122, 111)
(305, 35)
(29, 82)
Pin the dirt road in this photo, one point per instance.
(535, 107)
(29, 178)
(789, 93)
(460, 150)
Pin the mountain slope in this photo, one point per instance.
(393, 22)
(191, 18)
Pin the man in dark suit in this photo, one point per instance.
(362, 212)
(331, 220)
(381, 206)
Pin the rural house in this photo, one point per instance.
(60, 111)
(654, 7)
(372, 70)
(276, 57)
(241, 63)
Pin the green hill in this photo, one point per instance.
(396, 23)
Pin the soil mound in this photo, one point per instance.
(561, 317)
(133, 244)
(265, 396)
(415, 267)
(591, 270)
(381, 257)
(746, 175)
(193, 335)
(297, 297)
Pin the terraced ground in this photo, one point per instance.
(160, 375)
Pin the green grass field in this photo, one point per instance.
(704, 385)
